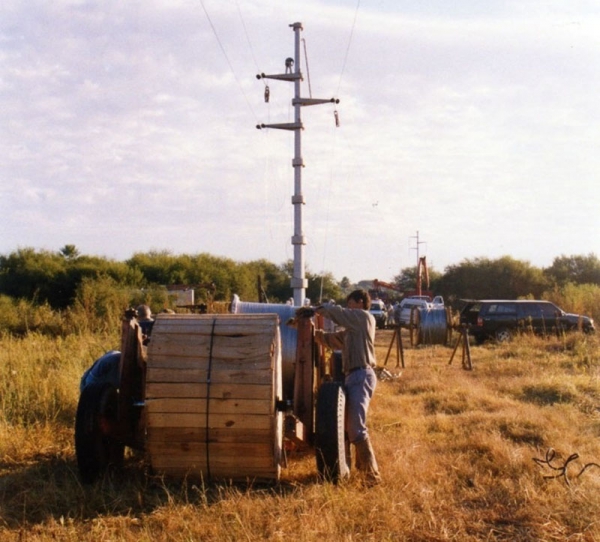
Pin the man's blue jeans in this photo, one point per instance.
(359, 386)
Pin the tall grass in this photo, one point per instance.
(456, 450)
(577, 298)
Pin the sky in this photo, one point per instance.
(467, 130)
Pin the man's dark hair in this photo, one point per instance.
(361, 295)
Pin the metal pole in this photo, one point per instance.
(299, 282)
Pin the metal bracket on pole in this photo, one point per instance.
(294, 75)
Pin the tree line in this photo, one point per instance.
(67, 280)
(506, 278)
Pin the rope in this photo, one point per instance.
(208, 382)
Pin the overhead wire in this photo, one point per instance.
(337, 123)
(348, 46)
(265, 133)
(247, 36)
(268, 223)
(233, 71)
(228, 61)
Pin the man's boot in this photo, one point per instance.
(366, 462)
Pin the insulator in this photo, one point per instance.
(337, 118)
(267, 93)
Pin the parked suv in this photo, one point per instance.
(379, 311)
(499, 319)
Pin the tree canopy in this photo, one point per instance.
(57, 277)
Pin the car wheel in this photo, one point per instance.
(331, 446)
(503, 335)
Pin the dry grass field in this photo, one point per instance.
(457, 451)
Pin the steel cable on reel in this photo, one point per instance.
(430, 326)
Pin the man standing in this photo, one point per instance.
(357, 342)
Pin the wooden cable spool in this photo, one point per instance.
(211, 389)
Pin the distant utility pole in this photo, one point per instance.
(416, 247)
(293, 74)
(421, 266)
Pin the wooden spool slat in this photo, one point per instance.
(225, 426)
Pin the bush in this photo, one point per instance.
(577, 298)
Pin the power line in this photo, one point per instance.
(247, 37)
(348, 46)
(228, 61)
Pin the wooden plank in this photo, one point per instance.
(255, 347)
(235, 474)
(213, 405)
(199, 390)
(200, 362)
(231, 435)
(223, 324)
(218, 376)
(234, 463)
(206, 336)
(215, 420)
(234, 451)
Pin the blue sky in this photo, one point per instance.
(130, 126)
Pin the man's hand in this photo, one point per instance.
(305, 312)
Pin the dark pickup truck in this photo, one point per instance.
(499, 319)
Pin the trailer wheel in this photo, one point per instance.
(95, 449)
(331, 445)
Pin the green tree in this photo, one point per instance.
(35, 275)
(345, 283)
(49, 277)
(574, 269)
(483, 278)
(69, 252)
(322, 288)
(273, 278)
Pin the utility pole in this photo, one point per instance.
(293, 74)
(421, 265)
(416, 247)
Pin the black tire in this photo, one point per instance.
(503, 335)
(95, 450)
(337, 369)
(331, 446)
